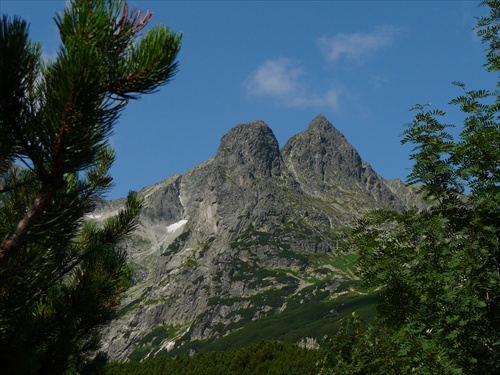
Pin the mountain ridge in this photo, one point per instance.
(246, 237)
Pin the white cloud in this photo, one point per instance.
(275, 78)
(281, 79)
(357, 46)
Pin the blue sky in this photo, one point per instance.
(363, 64)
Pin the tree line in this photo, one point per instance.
(262, 358)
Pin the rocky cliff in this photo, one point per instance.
(242, 247)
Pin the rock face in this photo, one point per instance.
(244, 239)
(328, 167)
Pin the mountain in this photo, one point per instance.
(242, 247)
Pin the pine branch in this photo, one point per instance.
(18, 238)
(53, 182)
(8, 189)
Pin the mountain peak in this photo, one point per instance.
(252, 145)
(320, 121)
(321, 125)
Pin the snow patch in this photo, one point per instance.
(173, 227)
(93, 216)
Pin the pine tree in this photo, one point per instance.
(61, 276)
(438, 269)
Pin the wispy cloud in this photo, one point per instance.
(276, 78)
(356, 47)
(281, 79)
(328, 99)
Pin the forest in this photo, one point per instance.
(262, 358)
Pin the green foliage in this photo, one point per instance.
(61, 277)
(345, 263)
(438, 268)
(262, 358)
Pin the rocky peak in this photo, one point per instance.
(237, 186)
(321, 124)
(252, 147)
(327, 166)
(321, 156)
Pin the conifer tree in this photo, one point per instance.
(438, 269)
(61, 276)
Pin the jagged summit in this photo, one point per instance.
(327, 166)
(320, 122)
(320, 125)
(321, 157)
(251, 146)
